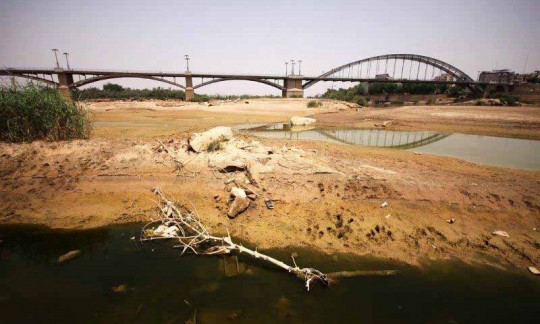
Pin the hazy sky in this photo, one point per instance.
(259, 36)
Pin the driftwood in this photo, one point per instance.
(185, 227)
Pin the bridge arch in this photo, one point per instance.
(435, 63)
(35, 78)
(272, 84)
(118, 76)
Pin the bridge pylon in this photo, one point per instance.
(190, 92)
(293, 87)
(65, 82)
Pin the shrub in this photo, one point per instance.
(200, 98)
(31, 112)
(507, 99)
(362, 102)
(314, 104)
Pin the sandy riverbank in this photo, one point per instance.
(326, 196)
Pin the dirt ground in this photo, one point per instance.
(326, 196)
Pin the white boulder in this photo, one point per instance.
(200, 142)
(301, 121)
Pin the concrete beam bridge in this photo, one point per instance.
(393, 68)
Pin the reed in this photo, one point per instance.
(33, 112)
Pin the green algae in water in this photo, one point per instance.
(163, 287)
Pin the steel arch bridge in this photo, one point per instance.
(394, 65)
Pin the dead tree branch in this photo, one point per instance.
(185, 227)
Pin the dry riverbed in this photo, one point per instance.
(325, 196)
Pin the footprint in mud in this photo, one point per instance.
(381, 232)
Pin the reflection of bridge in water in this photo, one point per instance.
(363, 137)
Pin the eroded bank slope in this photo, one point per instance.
(325, 196)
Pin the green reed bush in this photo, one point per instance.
(32, 112)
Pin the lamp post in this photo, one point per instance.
(286, 68)
(67, 60)
(292, 68)
(55, 51)
(299, 67)
(187, 62)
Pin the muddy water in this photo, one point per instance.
(163, 287)
(489, 150)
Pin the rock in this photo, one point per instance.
(253, 174)
(384, 204)
(301, 121)
(451, 221)
(238, 192)
(240, 202)
(201, 141)
(501, 233)
(534, 270)
(68, 256)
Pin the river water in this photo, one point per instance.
(164, 287)
(489, 150)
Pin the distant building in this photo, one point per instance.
(385, 76)
(444, 77)
(497, 76)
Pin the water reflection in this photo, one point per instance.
(497, 151)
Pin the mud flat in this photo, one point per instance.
(326, 196)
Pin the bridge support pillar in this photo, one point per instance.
(65, 82)
(190, 92)
(293, 87)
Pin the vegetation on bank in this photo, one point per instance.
(359, 95)
(314, 104)
(32, 112)
(116, 91)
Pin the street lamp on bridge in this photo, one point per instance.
(299, 67)
(187, 62)
(292, 68)
(286, 68)
(55, 51)
(66, 54)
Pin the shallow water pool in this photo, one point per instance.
(489, 150)
(164, 287)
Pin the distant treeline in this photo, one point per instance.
(358, 92)
(116, 91)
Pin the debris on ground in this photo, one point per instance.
(384, 204)
(534, 270)
(301, 121)
(387, 216)
(269, 203)
(451, 221)
(68, 256)
(501, 233)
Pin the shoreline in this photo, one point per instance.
(107, 180)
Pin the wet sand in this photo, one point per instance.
(106, 180)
